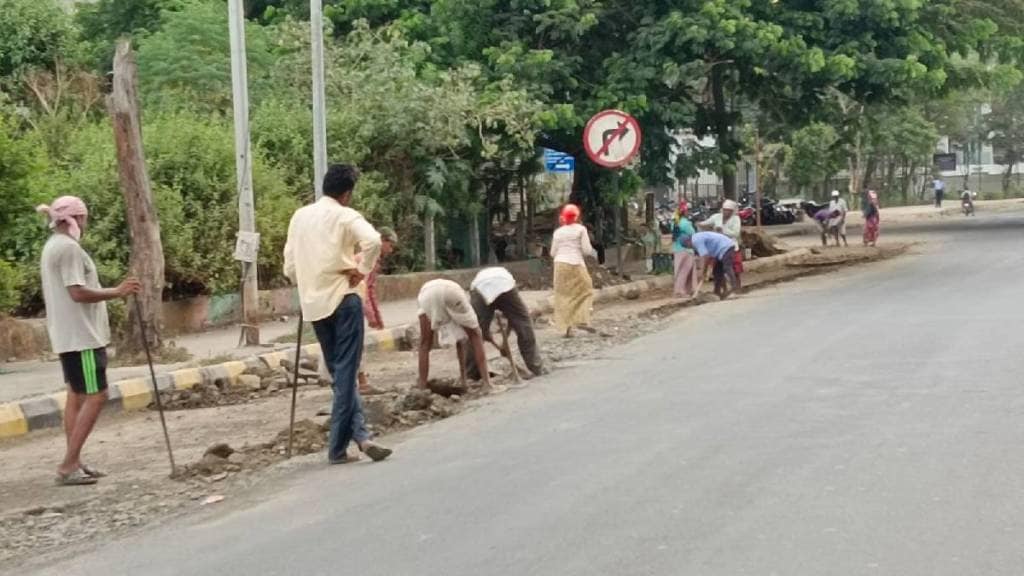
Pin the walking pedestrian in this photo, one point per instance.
(728, 222)
(79, 329)
(837, 210)
(494, 290)
(939, 185)
(687, 267)
(445, 312)
(574, 290)
(872, 217)
(721, 248)
(320, 259)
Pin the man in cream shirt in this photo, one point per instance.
(320, 259)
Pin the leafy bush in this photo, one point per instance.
(10, 287)
(192, 170)
(33, 33)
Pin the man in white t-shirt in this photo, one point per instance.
(76, 318)
(494, 290)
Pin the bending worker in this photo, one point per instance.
(444, 309)
(720, 248)
(494, 290)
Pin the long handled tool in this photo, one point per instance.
(295, 385)
(152, 375)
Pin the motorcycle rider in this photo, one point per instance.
(967, 201)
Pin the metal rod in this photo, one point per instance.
(152, 375)
(295, 385)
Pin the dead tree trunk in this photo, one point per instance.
(147, 254)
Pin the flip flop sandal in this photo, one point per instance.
(91, 472)
(74, 478)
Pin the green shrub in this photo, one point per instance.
(192, 171)
(10, 287)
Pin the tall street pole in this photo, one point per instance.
(243, 174)
(316, 35)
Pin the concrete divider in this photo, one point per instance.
(40, 412)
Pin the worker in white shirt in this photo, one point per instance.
(320, 259)
(445, 311)
(728, 222)
(494, 290)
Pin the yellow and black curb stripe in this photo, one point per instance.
(40, 412)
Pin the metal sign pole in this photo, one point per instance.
(316, 36)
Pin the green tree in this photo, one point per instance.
(23, 166)
(187, 62)
(33, 34)
(900, 141)
(811, 156)
(191, 166)
(103, 22)
(1005, 124)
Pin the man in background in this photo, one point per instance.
(76, 318)
(939, 185)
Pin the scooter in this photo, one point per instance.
(967, 202)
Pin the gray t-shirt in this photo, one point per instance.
(73, 327)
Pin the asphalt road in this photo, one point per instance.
(865, 422)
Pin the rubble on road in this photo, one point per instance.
(253, 384)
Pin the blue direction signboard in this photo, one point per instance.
(555, 161)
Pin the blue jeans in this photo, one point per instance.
(341, 340)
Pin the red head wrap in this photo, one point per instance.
(570, 214)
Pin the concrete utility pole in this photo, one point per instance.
(316, 35)
(243, 173)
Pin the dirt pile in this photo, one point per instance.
(399, 411)
(761, 243)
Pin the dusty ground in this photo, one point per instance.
(36, 515)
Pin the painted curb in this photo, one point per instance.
(41, 412)
(47, 411)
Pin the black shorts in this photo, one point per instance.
(86, 371)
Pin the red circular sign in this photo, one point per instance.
(612, 138)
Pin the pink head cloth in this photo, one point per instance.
(63, 211)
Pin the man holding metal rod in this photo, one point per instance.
(320, 259)
(76, 318)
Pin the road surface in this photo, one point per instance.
(881, 433)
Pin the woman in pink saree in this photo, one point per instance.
(872, 217)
